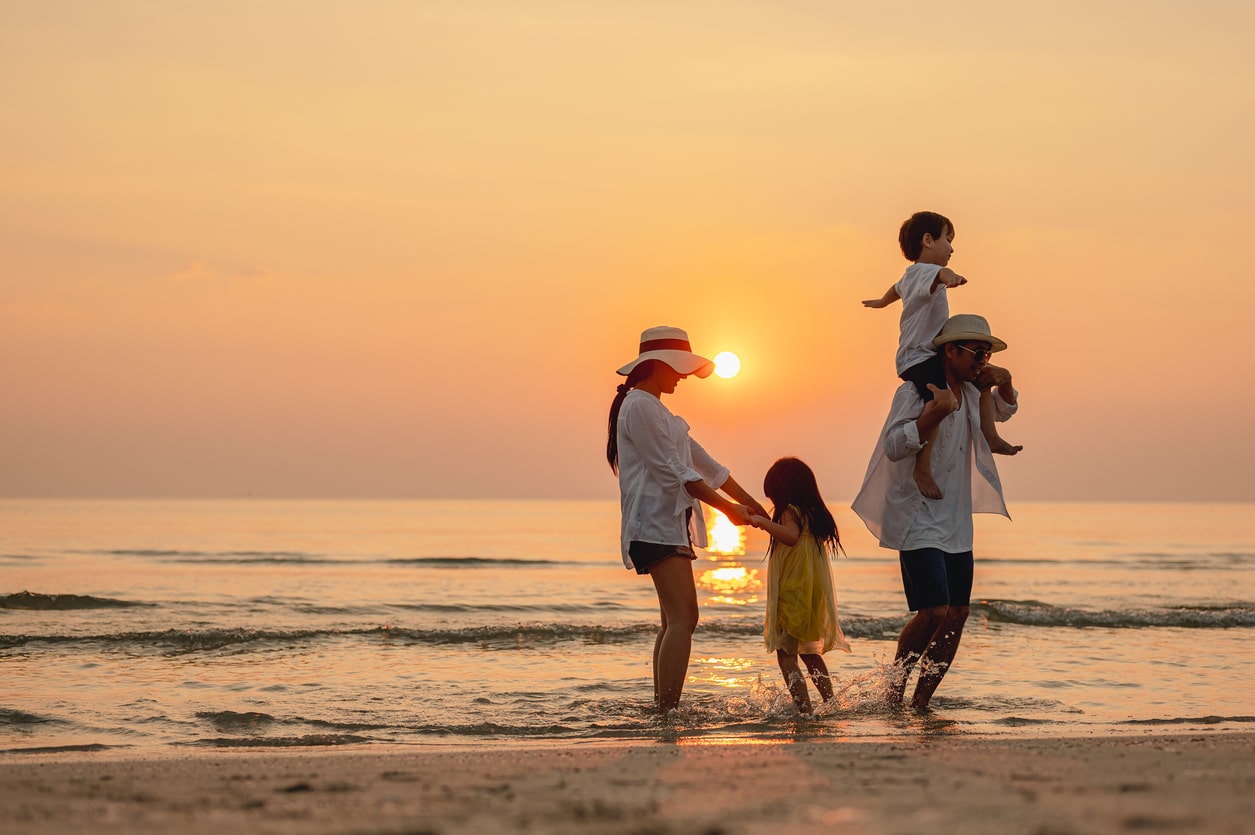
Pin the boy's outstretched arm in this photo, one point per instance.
(890, 296)
(948, 277)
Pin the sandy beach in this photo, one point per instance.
(1197, 783)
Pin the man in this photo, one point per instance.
(933, 537)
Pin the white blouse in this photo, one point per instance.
(656, 459)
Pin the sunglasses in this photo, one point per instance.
(978, 354)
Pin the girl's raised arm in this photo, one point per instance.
(787, 531)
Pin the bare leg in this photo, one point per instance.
(912, 642)
(989, 426)
(939, 655)
(677, 598)
(794, 679)
(819, 674)
(657, 649)
(924, 468)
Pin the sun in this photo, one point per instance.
(727, 364)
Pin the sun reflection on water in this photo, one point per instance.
(732, 584)
(731, 672)
(726, 539)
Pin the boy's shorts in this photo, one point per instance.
(931, 577)
(921, 374)
(645, 555)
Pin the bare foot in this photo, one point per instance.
(1001, 447)
(895, 686)
(928, 487)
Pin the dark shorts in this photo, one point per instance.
(645, 555)
(921, 374)
(931, 577)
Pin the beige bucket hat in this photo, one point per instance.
(968, 327)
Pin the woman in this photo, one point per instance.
(663, 476)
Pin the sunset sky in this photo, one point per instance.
(394, 248)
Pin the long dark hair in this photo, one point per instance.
(639, 373)
(791, 482)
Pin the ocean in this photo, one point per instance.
(143, 625)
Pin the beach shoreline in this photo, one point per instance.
(1200, 782)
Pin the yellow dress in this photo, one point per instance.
(801, 602)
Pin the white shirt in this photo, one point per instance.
(923, 314)
(656, 459)
(890, 503)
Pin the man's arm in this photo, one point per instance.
(911, 420)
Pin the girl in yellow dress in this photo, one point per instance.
(801, 602)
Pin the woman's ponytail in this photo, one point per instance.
(639, 373)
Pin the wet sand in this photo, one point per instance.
(1196, 783)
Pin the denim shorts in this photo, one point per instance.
(645, 555)
(931, 577)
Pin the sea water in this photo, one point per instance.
(254, 623)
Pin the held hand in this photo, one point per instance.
(944, 399)
(739, 515)
(758, 520)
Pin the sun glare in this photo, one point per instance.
(725, 538)
(727, 364)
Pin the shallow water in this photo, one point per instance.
(267, 623)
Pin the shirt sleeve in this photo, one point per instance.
(901, 432)
(1002, 409)
(714, 473)
(918, 282)
(649, 432)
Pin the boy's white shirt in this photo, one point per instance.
(923, 314)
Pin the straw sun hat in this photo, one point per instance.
(671, 345)
(968, 327)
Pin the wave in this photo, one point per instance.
(306, 741)
(19, 718)
(304, 558)
(1192, 720)
(176, 640)
(59, 749)
(61, 602)
(1030, 613)
(506, 636)
(1036, 613)
(854, 626)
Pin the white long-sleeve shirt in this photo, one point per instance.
(657, 457)
(890, 503)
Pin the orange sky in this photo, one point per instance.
(398, 249)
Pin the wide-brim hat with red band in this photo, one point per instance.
(671, 345)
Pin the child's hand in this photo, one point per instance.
(740, 515)
(876, 303)
(950, 278)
